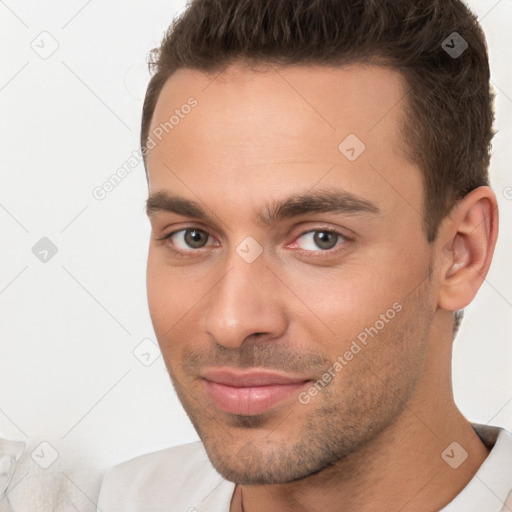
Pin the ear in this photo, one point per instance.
(466, 241)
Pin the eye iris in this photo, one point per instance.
(195, 238)
(325, 239)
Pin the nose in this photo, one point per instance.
(246, 301)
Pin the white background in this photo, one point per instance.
(68, 374)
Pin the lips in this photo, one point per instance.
(249, 392)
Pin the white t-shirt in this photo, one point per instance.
(182, 479)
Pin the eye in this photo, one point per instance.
(186, 239)
(320, 239)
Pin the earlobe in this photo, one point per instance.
(468, 237)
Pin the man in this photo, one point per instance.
(321, 214)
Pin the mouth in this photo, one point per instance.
(249, 392)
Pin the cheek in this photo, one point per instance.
(345, 300)
(363, 301)
(165, 308)
(167, 296)
(156, 286)
(176, 299)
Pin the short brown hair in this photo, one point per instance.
(449, 106)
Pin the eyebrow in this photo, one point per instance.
(319, 201)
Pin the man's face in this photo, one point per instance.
(253, 304)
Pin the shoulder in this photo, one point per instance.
(491, 486)
(165, 480)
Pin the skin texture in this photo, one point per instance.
(372, 438)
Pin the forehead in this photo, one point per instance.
(317, 101)
(283, 128)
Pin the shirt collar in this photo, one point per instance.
(490, 489)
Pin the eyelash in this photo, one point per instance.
(311, 254)
(178, 252)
